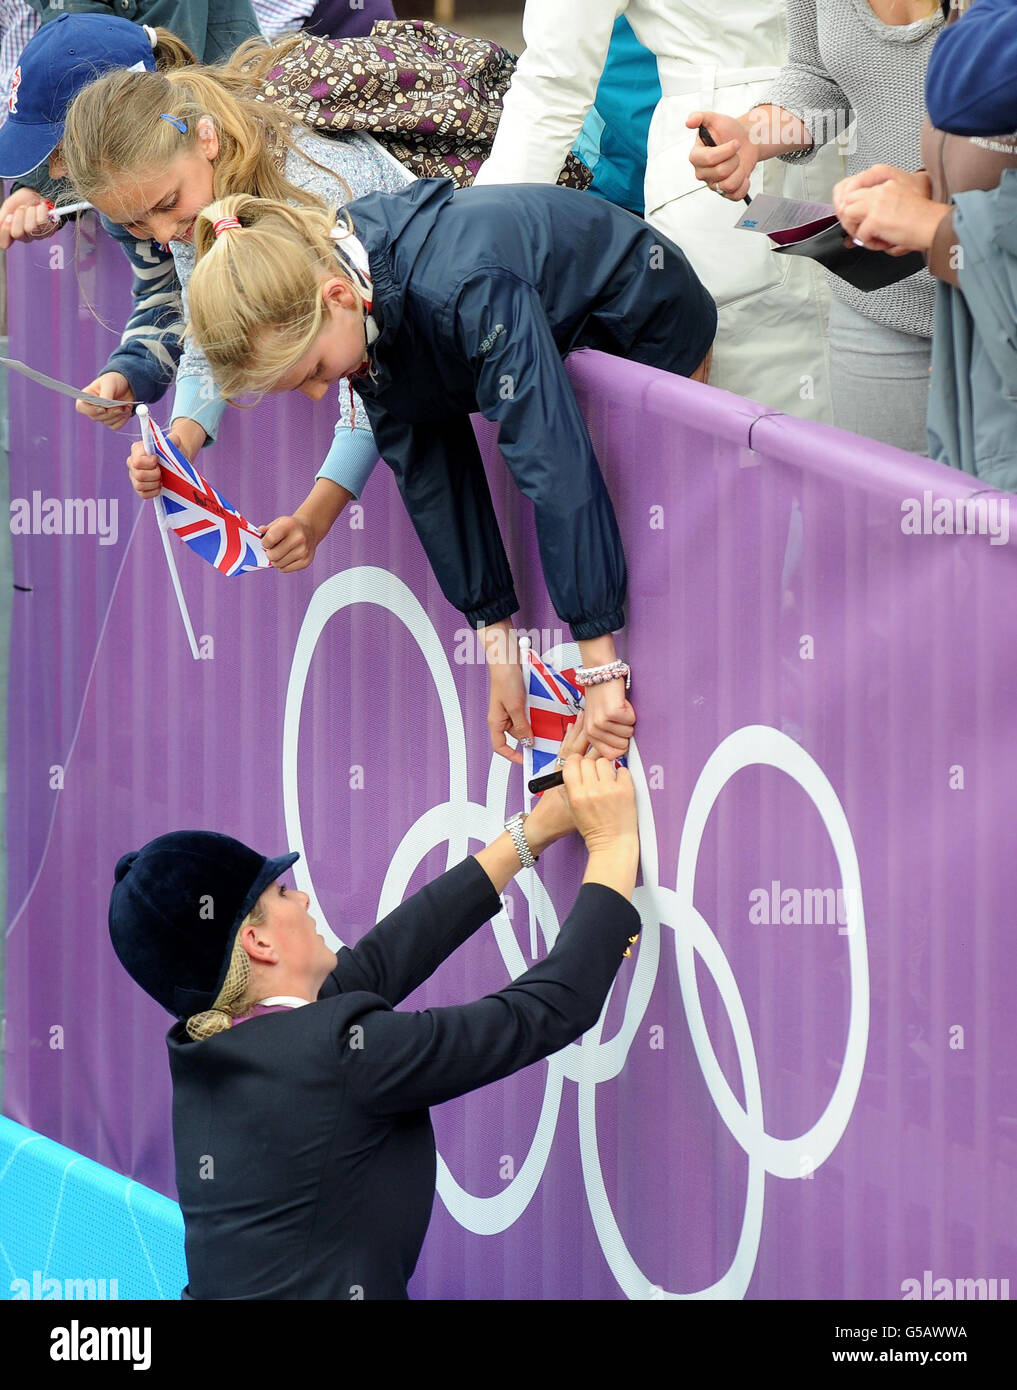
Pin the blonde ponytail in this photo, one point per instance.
(231, 1001)
(170, 52)
(255, 293)
(114, 132)
(256, 57)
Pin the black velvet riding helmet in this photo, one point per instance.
(176, 906)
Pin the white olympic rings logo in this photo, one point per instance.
(594, 1060)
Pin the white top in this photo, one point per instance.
(556, 80)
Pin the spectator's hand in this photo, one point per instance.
(290, 543)
(726, 167)
(610, 718)
(892, 217)
(507, 711)
(24, 216)
(920, 184)
(115, 387)
(603, 803)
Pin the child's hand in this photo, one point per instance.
(289, 543)
(146, 477)
(24, 216)
(507, 711)
(114, 386)
(610, 719)
(144, 470)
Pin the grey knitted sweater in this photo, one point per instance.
(843, 63)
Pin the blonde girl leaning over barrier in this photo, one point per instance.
(441, 302)
(150, 151)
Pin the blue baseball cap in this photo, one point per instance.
(64, 56)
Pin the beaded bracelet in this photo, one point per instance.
(596, 675)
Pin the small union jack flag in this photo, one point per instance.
(202, 517)
(553, 699)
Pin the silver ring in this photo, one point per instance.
(560, 761)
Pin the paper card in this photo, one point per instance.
(61, 386)
(772, 215)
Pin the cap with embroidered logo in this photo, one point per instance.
(65, 55)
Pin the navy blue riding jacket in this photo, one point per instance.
(305, 1155)
(479, 293)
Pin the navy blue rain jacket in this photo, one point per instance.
(479, 294)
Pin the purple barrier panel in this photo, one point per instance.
(802, 1084)
(51, 285)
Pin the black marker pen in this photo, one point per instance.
(708, 139)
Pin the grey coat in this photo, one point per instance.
(973, 405)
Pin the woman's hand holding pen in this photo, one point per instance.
(596, 800)
(551, 818)
(727, 165)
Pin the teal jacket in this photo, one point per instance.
(613, 139)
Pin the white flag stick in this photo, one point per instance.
(55, 214)
(160, 511)
(524, 661)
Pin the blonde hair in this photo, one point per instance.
(231, 1001)
(255, 58)
(255, 298)
(170, 52)
(114, 131)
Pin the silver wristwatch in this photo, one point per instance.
(514, 826)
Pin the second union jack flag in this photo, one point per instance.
(202, 517)
(553, 699)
